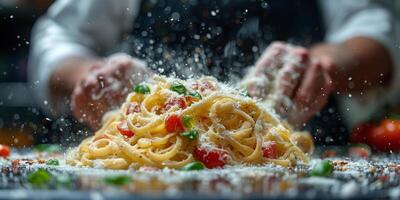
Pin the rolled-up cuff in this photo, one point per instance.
(43, 70)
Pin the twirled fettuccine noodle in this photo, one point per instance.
(223, 118)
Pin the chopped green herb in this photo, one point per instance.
(193, 166)
(190, 134)
(47, 148)
(195, 94)
(187, 121)
(39, 178)
(52, 161)
(117, 180)
(323, 168)
(178, 88)
(141, 88)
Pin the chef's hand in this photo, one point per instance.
(104, 87)
(298, 82)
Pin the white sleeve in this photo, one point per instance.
(346, 19)
(75, 28)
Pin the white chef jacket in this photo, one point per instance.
(94, 27)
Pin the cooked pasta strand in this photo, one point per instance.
(165, 121)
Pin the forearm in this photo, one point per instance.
(67, 75)
(356, 64)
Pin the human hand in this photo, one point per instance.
(105, 86)
(297, 84)
(311, 95)
(279, 59)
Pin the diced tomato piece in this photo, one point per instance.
(175, 101)
(124, 129)
(4, 151)
(133, 107)
(173, 124)
(211, 158)
(270, 150)
(361, 132)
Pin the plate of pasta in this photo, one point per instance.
(190, 124)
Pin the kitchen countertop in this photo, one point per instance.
(353, 178)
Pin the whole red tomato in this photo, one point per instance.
(386, 136)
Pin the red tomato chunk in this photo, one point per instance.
(124, 129)
(211, 158)
(174, 124)
(175, 101)
(270, 150)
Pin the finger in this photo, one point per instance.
(259, 87)
(105, 77)
(328, 68)
(271, 58)
(90, 83)
(301, 111)
(296, 55)
(327, 63)
(289, 78)
(119, 58)
(304, 112)
(311, 84)
(94, 95)
(287, 82)
(108, 89)
(96, 66)
(302, 54)
(91, 77)
(102, 82)
(123, 73)
(79, 106)
(312, 94)
(112, 92)
(120, 70)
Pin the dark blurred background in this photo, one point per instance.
(20, 120)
